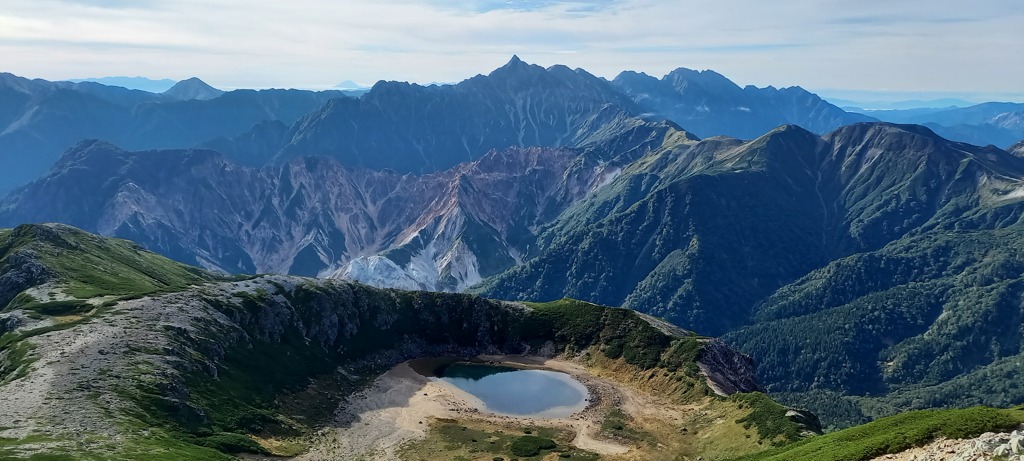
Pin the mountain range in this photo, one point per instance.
(40, 120)
(313, 216)
(707, 104)
(854, 264)
(400, 126)
(997, 123)
(867, 267)
(741, 238)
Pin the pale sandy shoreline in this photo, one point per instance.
(399, 405)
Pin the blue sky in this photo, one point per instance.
(910, 47)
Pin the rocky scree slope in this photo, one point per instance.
(201, 364)
(312, 216)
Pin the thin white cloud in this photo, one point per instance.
(873, 44)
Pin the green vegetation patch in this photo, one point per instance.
(15, 361)
(768, 418)
(619, 332)
(451, 439)
(89, 265)
(59, 308)
(895, 434)
(619, 425)
(530, 445)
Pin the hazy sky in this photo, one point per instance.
(910, 45)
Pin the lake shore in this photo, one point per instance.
(400, 405)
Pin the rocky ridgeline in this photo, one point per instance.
(151, 352)
(989, 446)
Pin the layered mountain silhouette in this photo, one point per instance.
(997, 123)
(428, 129)
(40, 120)
(869, 270)
(867, 267)
(399, 126)
(708, 104)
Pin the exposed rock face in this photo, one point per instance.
(727, 370)
(313, 217)
(19, 272)
(20, 269)
(809, 421)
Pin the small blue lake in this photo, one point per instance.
(518, 392)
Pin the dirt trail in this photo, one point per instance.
(585, 439)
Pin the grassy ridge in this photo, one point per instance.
(895, 434)
(768, 418)
(618, 332)
(89, 266)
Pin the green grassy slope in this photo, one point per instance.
(895, 434)
(86, 265)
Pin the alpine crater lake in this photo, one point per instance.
(518, 392)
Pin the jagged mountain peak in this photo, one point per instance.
(709, 79)
(633, 74)
(192, 89)
(514, 61)
(516, 65)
